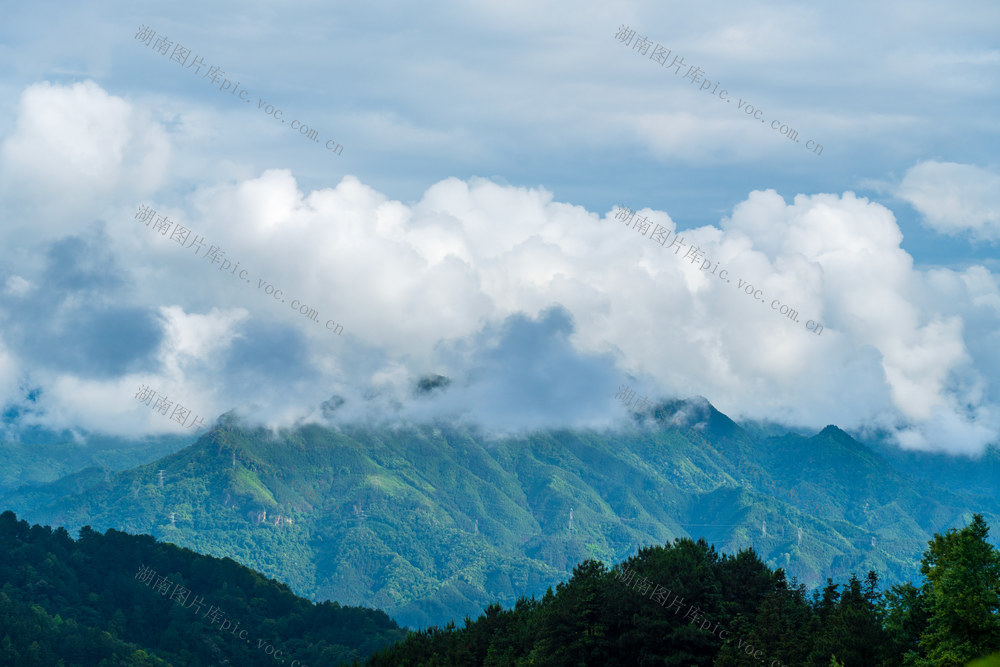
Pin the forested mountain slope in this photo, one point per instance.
(118, 599)
(431, 523)
(39, 456)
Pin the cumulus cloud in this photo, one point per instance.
(74, 144)
(534, 309)
(954, 198)
(473, 257)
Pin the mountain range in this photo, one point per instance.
(434, 522)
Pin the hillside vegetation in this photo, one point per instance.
(685, 604)
(432, 523)
(118, 599)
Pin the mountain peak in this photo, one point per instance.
(832, 431)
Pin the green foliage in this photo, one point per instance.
(33, 637)
(388, 517)
(600, 616)
(962, 594)
(989, 661)
(594, 618)
(65, 602)
(46, 458)
(905, 619)
(852, 627)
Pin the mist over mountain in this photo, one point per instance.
(435, 522)
(455, 310)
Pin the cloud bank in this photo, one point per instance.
(535, 309)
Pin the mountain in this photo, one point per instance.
(974, 474)
(435, 522)
(118, 599)
(38, 456)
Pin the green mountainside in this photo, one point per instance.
(118, 599)
(40, 456)
(975, 475)
(432, 523)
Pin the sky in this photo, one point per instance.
(540, 201)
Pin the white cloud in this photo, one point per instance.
(954, 198)
(72, 144)
(192, 338)
(410, 282)
(10, 375)
(73, 403)
(406, 278)
(17, 286)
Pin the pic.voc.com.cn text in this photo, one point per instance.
(696, 254)
(215, 75)
(215, 255)
(179, 595)
(663, 595)
(661, 54)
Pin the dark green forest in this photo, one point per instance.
(686, 604)
(83, 602)
(119, 599)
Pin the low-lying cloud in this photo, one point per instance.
(534, 309)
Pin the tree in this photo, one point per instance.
(963, 596)
(573, 629)
(905, 620)
(854, 629)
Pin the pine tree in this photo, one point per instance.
(854, 630)
(573, 628)
(905, 620)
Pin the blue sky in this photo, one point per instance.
(484, 149)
